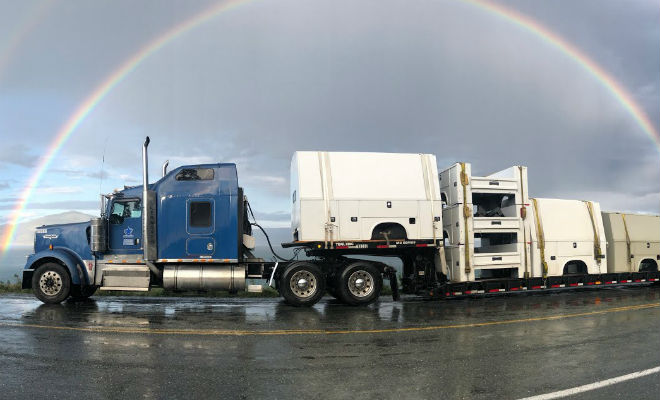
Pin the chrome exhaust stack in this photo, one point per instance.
(165, 164)
(149, 243)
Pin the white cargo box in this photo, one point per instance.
(633, 242)
(341, 196)
(571, 235)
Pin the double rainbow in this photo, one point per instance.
(522, 21)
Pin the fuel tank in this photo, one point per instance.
(204, 277)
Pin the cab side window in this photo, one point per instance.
(200, 214)
(195, 174)
(123, 209)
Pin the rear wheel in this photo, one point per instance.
(302, 284)
(359, 283)
(51, 283)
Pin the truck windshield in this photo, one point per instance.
(125, 209)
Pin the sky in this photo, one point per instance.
(267, 78)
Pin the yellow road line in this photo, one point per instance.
(219, 332)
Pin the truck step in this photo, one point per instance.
(125, 288)
(255, 288)
(126, 277)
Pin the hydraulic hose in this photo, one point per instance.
(295, 253)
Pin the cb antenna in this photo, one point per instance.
(101, 173)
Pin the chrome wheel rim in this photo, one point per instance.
(303, 284)
(50, 283)
(361, 283)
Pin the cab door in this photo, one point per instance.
(125, 226)
(200, 226)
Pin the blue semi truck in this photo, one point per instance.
(190, 231)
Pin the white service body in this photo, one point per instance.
(347, 196)
(633, 239)
(570, 233)
(483, 222)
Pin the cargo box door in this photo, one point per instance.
(349, 226)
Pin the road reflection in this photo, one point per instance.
(269, 314)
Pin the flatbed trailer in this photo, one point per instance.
(427, 283)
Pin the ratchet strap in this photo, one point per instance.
(326, 187)
(540, 237)
(523, 215)
(466, 217)
(625, 228)
(598, 253)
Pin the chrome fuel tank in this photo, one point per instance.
(204, 277)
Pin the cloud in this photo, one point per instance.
(57, 205)
(58, 189)
(438, 77)
(78, 173)
(272, 216)
(17, 154)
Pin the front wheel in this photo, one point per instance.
(51, 283)
(359, 284)
(302, 284)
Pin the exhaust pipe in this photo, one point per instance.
(145, 195)
(149, 244)
(165, 164)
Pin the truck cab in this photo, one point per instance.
(188, 230)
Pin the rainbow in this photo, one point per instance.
(101, 91)
(556, 41)
(85, 108)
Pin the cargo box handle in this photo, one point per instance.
(497, 258)
(496, 222)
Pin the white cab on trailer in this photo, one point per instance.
(633, 241)
(568, 236)
(345, 196)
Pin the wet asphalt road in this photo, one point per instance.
(498, 347)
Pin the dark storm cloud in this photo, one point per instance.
(270, 78)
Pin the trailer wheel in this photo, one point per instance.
(359, 284)
(83, 292)
(51, 283)
(302, 284)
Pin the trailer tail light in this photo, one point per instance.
(50, 246)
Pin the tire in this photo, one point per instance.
(302, 284)
(83, 292)
(51, 283)
(359, 284)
